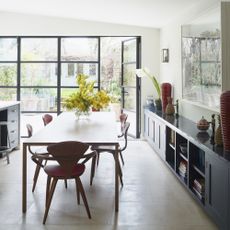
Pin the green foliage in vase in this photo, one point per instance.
(85, 98)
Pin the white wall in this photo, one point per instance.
(170, 37)
(22, 24)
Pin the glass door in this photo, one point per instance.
(130, 84)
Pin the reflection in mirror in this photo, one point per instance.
(201, 60)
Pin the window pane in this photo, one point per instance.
(39, 49)
(8, 94)
(129, 75)
(71, 70)
(8, 49)
(64, 94)
(79, 49)
(38, 99)
(130, 51)
(39, 74)
(8, 74)
(130, 99)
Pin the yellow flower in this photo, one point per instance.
(85, 98)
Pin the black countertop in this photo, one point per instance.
(189, 128)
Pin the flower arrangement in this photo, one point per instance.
(85, 98)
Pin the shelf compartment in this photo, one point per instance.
(198, 170)
(172, 146)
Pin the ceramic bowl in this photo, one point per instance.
(183, 147)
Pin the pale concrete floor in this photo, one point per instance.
(151, 199)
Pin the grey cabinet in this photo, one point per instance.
(10, 133)
(203, 168)
(155, 132)
(217, 189)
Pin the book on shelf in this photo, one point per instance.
(198, 194)
(199, 184)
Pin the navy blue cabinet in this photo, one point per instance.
(203, 168)
(217, 189)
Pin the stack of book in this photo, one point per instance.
(183, 169)
(198, 187)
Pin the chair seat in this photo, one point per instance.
(57, 170)
(104, 148)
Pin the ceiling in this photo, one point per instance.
(147, 13)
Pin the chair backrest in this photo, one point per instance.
(125, 135)
(123, 119)
(67, 154)
(47, 118)
(29, 130)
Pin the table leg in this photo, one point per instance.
(116, 180)
(24, 177)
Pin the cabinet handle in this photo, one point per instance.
(13, 121)
(13, 110)
(12, 131)
(159, 128)
(210, 185)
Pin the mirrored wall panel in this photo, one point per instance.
(201, 60)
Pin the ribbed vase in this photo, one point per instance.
(225, 119)
(165, 93)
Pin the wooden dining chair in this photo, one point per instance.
(47, 118)
(68, 155)
(111, 149)
(123, 118)
(37, 150)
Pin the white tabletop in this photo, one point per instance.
(100, 127)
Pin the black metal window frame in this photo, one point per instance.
(59, 63)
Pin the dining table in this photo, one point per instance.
(99, 128)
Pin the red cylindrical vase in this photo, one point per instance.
(165, 93)
(225, 119)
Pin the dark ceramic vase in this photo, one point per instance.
(169, 110)
(158, 104)
(225, 119)
(165, 93)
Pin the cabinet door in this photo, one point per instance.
(217, 189)
(160, 140)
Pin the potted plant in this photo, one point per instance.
(84, 99)
(144, 72)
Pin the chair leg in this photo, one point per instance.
(122, 159)
(36, 174)
(7, 157)
(82, 191)
(98, 156)
(47, 188)
(119, 171)
(93, 164)
(78, 193)
(50, 196)
(65, 183)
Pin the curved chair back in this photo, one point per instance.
(125, 134)
(47, 118)
(29, 130)
(67, 154)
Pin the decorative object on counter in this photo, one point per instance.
(85, 98)
(150, 103)
(203, 124)
(218, 134)
(183, 148)
(145, 72)
(177, 108)
(158, 104)
(166, 89)
(170, 107)
(213, 123)
(203, 137)
(225, 119)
